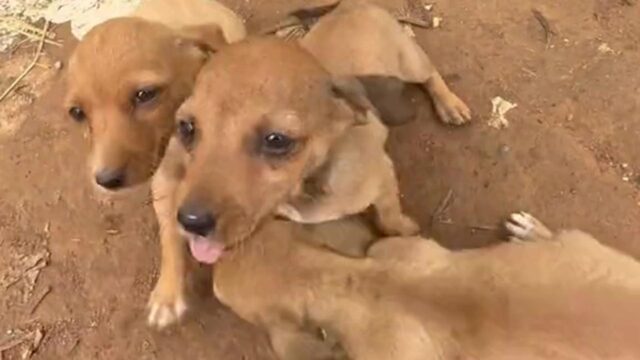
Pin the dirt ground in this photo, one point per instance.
(571, 155)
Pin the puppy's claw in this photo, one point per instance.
(162, 314)
(452, 110)
(525, 227)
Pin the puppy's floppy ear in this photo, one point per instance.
(206, 38)
(395, 100)
(350, 90)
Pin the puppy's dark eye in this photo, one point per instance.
(145, 95)
(186, 131)
(77, 114)
(277, 144)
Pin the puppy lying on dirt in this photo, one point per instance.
(359, 38)
(545, 296)
(126, 79)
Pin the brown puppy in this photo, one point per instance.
(359, 38)
(128, 76)
(254, 128)
(548, 296)
(126, 79)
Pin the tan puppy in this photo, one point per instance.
(254, 128)
(129, 75)
(126, 79)
(548, 296)
(359, 38)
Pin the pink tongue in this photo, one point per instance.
(206, 251)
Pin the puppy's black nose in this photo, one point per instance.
(111, 179)
(196, 219)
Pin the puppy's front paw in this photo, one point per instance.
(166, 306)
(524, 227)
(408, 227)
(451, 109)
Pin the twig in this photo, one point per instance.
(482, 227)
(13, 341)
(442, 207)
(14, 25)
(31, 66)
(10, 344)
(546, 27)
(39, 300)
(471, 227)
(415, 22)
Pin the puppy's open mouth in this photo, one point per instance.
(204, 249)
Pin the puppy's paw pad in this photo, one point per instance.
(165, 313)
(452, 110)
(523, 226)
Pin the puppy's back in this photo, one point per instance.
(190, 13)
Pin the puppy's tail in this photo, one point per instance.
(304, 17)
(309, 15)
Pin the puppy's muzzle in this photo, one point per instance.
(111, 179)
(197, 219)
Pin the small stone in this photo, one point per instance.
(625, 178)
(504, 150)
(436, 22)
(58, 65)
(624, 165)
(605, 49)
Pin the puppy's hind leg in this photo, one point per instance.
(290, 344)
(418, 68)
(389, 217)
(522, 226)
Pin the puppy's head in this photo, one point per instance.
(263, 115)
(126, 79)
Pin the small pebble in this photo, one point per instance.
(58, 65)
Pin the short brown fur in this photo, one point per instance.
(560, 296)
